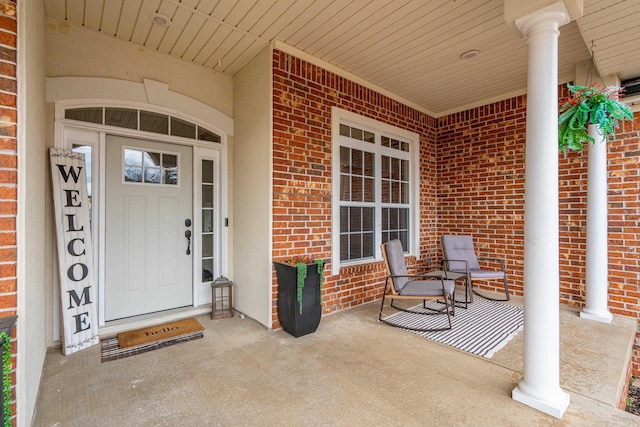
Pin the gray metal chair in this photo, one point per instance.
(459, 256)
(401, 285)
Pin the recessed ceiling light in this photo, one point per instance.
(470, 54)
(160, 19)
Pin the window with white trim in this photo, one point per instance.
(374, 191)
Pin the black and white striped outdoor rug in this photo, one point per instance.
(483, 328)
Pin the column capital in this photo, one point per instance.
(525, 15)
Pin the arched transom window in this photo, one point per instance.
(147, 121)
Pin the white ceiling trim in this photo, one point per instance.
(482, 103)
(561, 80)
(279, 45)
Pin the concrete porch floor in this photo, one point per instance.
(352, 371)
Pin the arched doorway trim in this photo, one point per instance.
(97, 89)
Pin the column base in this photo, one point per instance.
(554, 404)
(601, 316)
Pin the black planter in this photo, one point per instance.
(291, 319)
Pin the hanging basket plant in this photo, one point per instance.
(595, 104)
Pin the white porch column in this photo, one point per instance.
(540, 386)
(596, 307)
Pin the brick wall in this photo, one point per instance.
(303, 95)
(481, 180)
(481, 174)
(8, 167)
(624, 226)
(472, 181)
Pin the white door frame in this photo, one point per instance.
(200, 294)
(201, 150)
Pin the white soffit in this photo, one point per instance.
(408, 48)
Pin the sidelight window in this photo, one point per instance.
(208, 220)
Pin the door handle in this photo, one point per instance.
(187, 234)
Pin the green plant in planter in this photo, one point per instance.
(6, 379)
(301, 269)
(595, 104)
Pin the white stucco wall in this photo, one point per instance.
(78, 52)
(252, 179)
(75, 51)
(31, 207)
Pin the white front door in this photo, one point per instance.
(148, 202)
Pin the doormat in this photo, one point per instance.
(483, 329)
(142, 340)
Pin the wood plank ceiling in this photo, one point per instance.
(409, 48)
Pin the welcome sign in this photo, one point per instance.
(75, 254)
